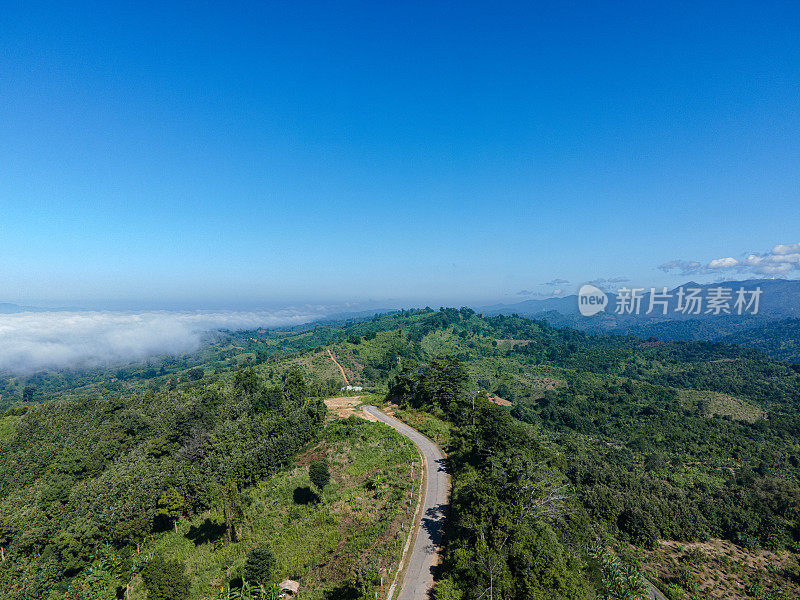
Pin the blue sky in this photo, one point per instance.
(225, 154)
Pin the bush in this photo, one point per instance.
(195, 374)
(319, 474)
(165, 580)
(259, 567)
(446, 590)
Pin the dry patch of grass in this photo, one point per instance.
(710, 404)
(720, 570)
(500, 401)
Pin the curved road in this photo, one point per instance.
(424, 556)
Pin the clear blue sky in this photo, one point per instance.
(220, 153)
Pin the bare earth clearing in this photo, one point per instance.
(346, 406)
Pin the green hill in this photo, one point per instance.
(609, 441)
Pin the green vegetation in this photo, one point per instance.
(165, 580)
(610, 442)
(259, 567)
(319, 474)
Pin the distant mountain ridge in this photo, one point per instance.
(775, 330)
(780, 299)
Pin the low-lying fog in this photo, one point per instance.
(30, 341)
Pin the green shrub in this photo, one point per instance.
(320, 474)
(165, 580)
(259, 567)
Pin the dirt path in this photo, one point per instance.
(419, 565)
(336, 362)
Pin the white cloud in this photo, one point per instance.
(786, 249)
(781, 260)
(723, 263)
(31, 341)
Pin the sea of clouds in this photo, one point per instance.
(31, 341)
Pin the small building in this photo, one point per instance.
(352, 388)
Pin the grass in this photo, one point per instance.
(710, 404)
(718, 569)
(8, 425)
(356, 524)
(427, 424)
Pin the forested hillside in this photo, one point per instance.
(578, 461)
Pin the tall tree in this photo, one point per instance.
(443, 382)
(246, 381)
(232, 509)
(294, 388)
(171, 504)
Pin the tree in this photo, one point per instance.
(259, 566)
(294, 388)
(492, 562)
(268, 399)
(618, 581)
(171, 505)
(246, 381)
(165, 580)
(28, 393)
(320, 474)
(6, 535)
(232, 509)
(195, 374)
(639, 526)
(442, 383)
(132, 530)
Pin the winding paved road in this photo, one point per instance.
(424, 556)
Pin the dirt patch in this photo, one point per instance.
(346, 406)
(316, 453)
(500, 401)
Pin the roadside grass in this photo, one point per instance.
(355, 527)
(434, 428)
